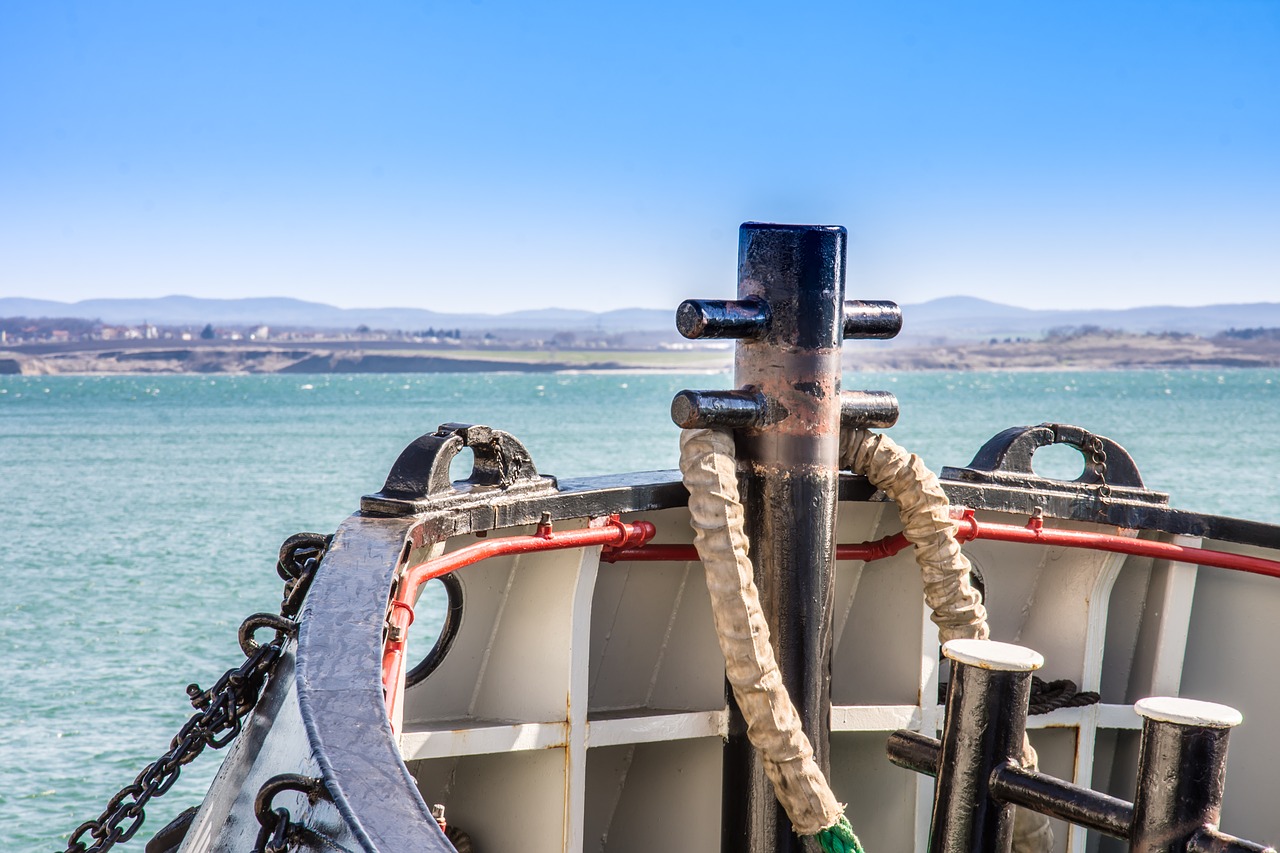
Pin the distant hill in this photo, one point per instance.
(953, 317)
(287, 312)
(967, 318)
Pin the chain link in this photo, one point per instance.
(220, 710)
(1098, 459)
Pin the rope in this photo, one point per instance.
(709, 469)
(839, 838)
(956, 607)
(773, 726)
(1049, 696)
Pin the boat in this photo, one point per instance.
(574, 697)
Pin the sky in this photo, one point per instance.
(493, 156)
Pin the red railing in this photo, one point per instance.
(627, 542)
(615, 534)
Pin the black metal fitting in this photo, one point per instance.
(420, 477)
(1056, 798)
(789, 319)
(283, 627)
(986, 718)
(868, 409)
(1109, 471)
(1181, 769)
(719, 410)
(871, 319)
(448, 631)
(722, 318)
(1021, 787)
(1182, 765)
(276, 824)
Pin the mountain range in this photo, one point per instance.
(954, 317)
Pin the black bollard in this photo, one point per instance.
(1182, 767)
(985, 723)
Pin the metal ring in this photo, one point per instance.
(250, 626)
(312, 786)
(448, 633)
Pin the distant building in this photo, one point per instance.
(261, 333)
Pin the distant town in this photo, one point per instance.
(17, 331)
(973, 338)
(41, 346)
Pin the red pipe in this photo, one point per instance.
(876, 549)
(618, 534)
(1034, 533)
(625, 542)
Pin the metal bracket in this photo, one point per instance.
(419, 479)
(1005, 461)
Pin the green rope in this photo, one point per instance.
(839, 838)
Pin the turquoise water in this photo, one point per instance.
(142, 516)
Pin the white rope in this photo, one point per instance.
(923, 507)
(710, 474)
(773, 727)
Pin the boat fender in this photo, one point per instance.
(955, 603)
(949, 576)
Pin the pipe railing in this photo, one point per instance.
(1035, 533)
(613, 534)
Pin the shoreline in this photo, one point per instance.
(1085, 353)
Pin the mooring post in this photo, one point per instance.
(790, 318)
(985, 724)
(1182, 766)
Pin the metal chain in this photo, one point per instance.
(1098, 459)
(220, 710)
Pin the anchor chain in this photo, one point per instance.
(220, 710)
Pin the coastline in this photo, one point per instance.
(1085, 352)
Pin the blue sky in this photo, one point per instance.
(498, 155)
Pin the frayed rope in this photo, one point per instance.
(839, 838)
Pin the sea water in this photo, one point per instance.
(141, 516)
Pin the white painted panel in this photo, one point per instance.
(513, 801)
(1231, 658)
(881, 796)
(874, 718)
(655, 796)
